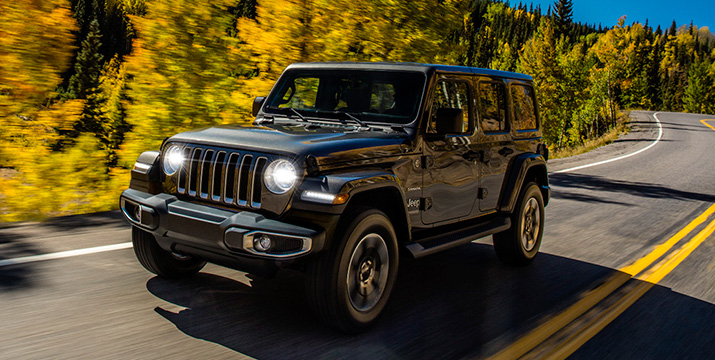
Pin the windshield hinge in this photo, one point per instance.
(427, 161)
(425, 203)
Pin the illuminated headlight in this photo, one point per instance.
(280, 176)
(173, 159)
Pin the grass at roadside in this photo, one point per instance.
(612, 135)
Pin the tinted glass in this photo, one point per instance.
(378, 96)
(492, 107)
(524, 109)
(302, 95)
(451, 94)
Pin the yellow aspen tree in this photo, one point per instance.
(181, 73)
(36, 47)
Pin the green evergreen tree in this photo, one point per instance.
(699, 86)
(117, 28)
(80, 14)
(88, 64)
(563, 16)
(86, 11)
(84, 84)
(673, 29)
(113, 96)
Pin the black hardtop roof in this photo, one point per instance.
(404, 66)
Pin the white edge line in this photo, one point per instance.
(64, 254)
(660, 135)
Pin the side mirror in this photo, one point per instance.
(450, 121)
(257, 103)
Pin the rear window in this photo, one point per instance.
(524, 107)
(492, 106)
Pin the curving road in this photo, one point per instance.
(627, 270)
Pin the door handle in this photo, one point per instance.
(472, 155)
(480, 155)
(506, 151)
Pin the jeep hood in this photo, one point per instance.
(329, 144)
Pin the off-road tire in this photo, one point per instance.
(519, 245)
(350, 285)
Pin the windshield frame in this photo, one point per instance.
(270, 105)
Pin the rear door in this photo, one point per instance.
(495, 139)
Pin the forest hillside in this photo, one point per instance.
(87, 85)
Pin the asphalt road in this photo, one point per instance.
(462, 303)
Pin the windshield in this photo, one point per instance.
(370, 96)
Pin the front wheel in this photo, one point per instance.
(349, 286)
(161, 262)
(520, 244)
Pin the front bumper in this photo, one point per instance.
(216, 235)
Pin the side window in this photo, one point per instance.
(524, 108)
(492, 107)
(451, 94)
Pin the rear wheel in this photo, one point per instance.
(520, 244)
(161, 262)
(349, 286)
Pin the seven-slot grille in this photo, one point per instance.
(223, 176)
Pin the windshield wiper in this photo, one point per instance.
(354, 118)
(284, 112)
(299, 114)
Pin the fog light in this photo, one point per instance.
(138, 213)
(262, 243)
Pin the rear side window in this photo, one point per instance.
(492, 106)
(524, 107)
(451, 94)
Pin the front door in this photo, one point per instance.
(450, 176)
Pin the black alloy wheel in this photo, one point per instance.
(520, 244)
(350, 285)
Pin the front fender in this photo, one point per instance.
(146, 173)
(349, 184)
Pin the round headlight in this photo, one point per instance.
(280, 176)
(173, 159)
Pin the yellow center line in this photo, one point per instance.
(590, 298)
(706, 124)
(649, 280)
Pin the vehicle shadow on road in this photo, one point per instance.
(16, 276)
(74, 222)
(18, 240)
(456, 304)
(579, 182)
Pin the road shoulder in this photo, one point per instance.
(643, 131)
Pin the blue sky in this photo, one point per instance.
(658, 12)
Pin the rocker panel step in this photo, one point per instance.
(440, 242)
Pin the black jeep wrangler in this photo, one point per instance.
(347, 166)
